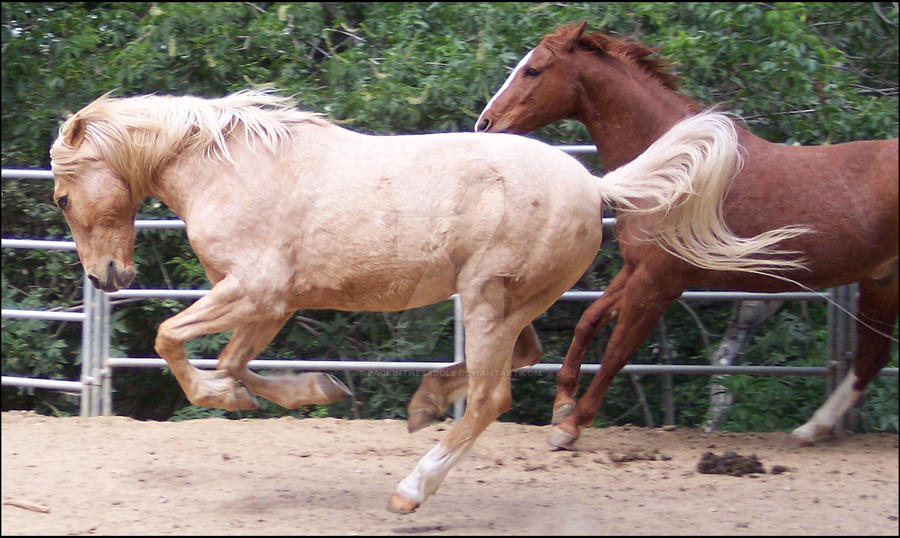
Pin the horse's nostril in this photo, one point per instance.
(95, 281)
(483, 125)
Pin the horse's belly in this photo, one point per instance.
(379, 287)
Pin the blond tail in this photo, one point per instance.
(683, 178)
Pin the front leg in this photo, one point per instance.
(225, 307)
(601, 312)
(290, 391)
(640, 307)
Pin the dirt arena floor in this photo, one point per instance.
(114, 475)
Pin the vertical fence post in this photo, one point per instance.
(85, 406)
(87, 351)
(96, 319)
(95, 371)
(104, 372)
(841, 339)
(459, 350)
(668, 386)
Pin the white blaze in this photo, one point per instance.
(506, 84)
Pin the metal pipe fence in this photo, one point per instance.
(95, 384)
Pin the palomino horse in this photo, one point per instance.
(287, 211)
(846, 192)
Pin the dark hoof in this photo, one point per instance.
(332, 388)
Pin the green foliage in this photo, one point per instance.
(878, 411)
(808, 73)
(192, 412)
(764, 405)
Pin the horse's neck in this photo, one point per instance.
(625, 117)
(186, 181)
(190, 180)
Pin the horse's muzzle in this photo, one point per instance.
(487, 125)
(114, 279)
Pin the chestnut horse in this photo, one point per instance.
(287, 211)
(626, 98)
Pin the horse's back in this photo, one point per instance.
(858, 180)
(415, 212)
(489, 174)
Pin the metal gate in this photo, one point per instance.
(95, 384)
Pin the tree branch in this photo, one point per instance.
(881, 14)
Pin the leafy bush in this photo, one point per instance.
(807, 73)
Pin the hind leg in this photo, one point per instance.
(490, 339)
(489, 395)
(601, 312)
(877, 314)
(440, 388)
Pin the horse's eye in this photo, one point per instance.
(531, 72)
(62, 202)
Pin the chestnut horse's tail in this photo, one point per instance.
(681, 179)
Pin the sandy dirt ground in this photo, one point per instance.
(114, 475)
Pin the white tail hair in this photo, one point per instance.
(683, 178)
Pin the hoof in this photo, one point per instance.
(244, 401)
(399, 504)
(312, 388)
(420, 418)
(560, 413)
(810, 434)
(217, 389)
(332, 389)
(559, 438)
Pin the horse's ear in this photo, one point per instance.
(581, 28)
(576, 34)
(75, 133)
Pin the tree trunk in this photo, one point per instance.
(747, 317)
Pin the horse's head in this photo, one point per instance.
(97, 204)
(541, 89)
(573, 75)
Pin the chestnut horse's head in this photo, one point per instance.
(96, 202)
(548, 83)
(539, 91)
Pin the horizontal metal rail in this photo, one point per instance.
(576, 295)
(56, 384)
(577, 149)
(41, 244)
(12, 173)
(412, 367)
(572, 295)
(47, 315)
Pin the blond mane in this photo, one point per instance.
(139, 135)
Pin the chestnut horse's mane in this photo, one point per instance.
(644, 57)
